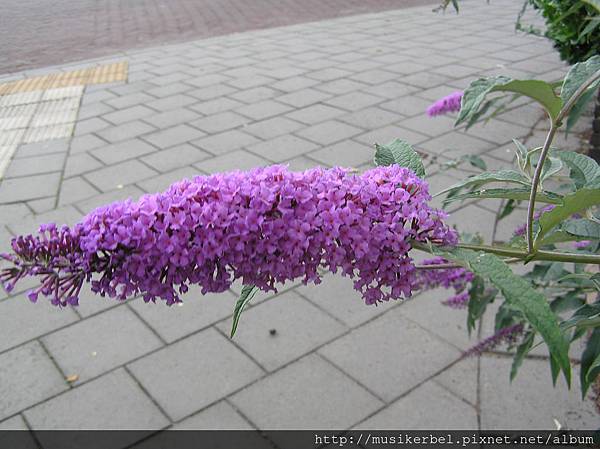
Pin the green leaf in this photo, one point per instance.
(582, 228)
(508, 209)
(594, 3)
(519, 293)
(522, 351)
(509, 194)
(476, 93)
(583, 169)
(572, 203)
(579, 108)
(479, 298)
(402, 153)
(590, 362)
(578, 75)
(510, 176)
(248, 292)
(551, 167)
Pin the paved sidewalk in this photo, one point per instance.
(313, 94)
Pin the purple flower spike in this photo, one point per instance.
(508, 335)
(459, 301)
(450, 103)
(263, 227)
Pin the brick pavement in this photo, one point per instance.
(312, 94)
(103, 27)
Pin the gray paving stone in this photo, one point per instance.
(196, 312)
(236, 160)
(282, 148)
(390, 133)
(75, 189)
(210, 92)
(27, 376)
(14, 423)
(91, 303)
(329, 74)
(42, 148)
(294, 84)
(91, 110)
(90, 407)
(390, 376)
(376, 76)
(171, 137)
(90, 125)
(207, 80)
(112, 177)
(409, 105)
(35, 165)
(427, 310)
(29, 187)
(347, 153)
(430, 126)
(391, 89)
(341, 86)
(220, 416)
(41, 318)
(263, 109)
(171, 102)
(175, 157)
(329, 132)
(415, 412)
(499, 132)
(217, 105)
(290, 315)
(530, 402)
(129, 100)
(63, 215)
(117, 194)
(307, 394)
(273, 127)
(250, 81)
(225, 142)
(125, 131)
(81, 144)
(301, 163)
(315, 114)
(162, 182)
(371, 118)
(168, 89)
(304, 97)
(354, 101)
(80, 163)
(96, 345)
(118, 152)
(128, 114)
(171, 118)
(255, 94)
(207, 365)
(10, 213)
(220, 122)
(461, 379)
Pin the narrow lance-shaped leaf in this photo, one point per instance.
(578, 75)
(510, 176)
(571, 204)
(590, 362)
(476, 93)
(509, 194)
(522, 351)
(519, 293)
(402, 153)
(583, 169)
(248, 292)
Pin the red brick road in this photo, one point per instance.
(37, 33)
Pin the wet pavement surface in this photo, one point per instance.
(37, 33)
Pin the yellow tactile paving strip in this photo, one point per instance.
(108, 73)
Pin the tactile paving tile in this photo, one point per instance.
(107, 73)
(55, 118)
(63, 92)
(48, 132)
(12, 137)
(56, 106)
(13, 111)
(21, 98)
(15, 122)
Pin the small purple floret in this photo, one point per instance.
(450, 103)
(266, 226)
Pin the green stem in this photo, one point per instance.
(523, 255)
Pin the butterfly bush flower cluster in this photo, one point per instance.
(455, 278)
(266, 226)
(450, 103)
